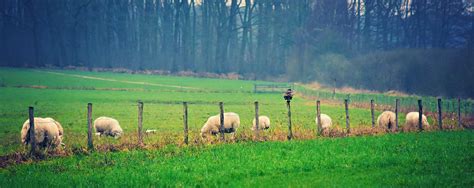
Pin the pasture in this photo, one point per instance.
(64, 95)
(429, 159)
(401, 159)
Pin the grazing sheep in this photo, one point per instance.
(412, 118)
(47, 132)
(326, 121)
(263, 123)
(108, 126)
(231, 123)
(386, 120)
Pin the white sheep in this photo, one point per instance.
(326, 121)
(47, 132)
(212, 125)
(412, 120)
(108, 126)
(386, 120)
(263, 123)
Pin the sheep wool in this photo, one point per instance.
(108, 126)
(411, 120)
(212, 125)
(263, 123)
(60, 128)
(47, 132)
(386, 120)
(326, 121)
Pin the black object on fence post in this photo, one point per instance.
(288, 95)
(185, 122)
(372, 113)
(346, 105)
(290, 133)
(440, 115)
(221, 129)
(420, 115)
(256, 119)
(31, 117)
(459, 112)
(397, 108)
(90, 145)
(140, 122)
(318, 116)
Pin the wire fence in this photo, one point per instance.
(407, 103)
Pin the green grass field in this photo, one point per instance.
(431, 159)
(64, 95)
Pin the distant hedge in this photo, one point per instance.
(433, 72)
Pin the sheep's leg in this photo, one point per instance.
(232, 136)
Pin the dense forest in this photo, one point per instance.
(417, 46)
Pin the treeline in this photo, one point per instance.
(362, 27)
(208, 35)
(254, 38)
(436, 72)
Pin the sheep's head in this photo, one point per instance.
(206, 130)
(117, 134)
(203, 135)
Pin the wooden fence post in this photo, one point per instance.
(254, 88)
(185, 122)
(346, 105)
(90, 144)
(420, 115)
(397, 108)
(290, 133)
(318, 116)
(140, 122)
(372, 113)
(256, 119)
(440, 115)
(31, 117)
(221, 129)
(459, 112)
